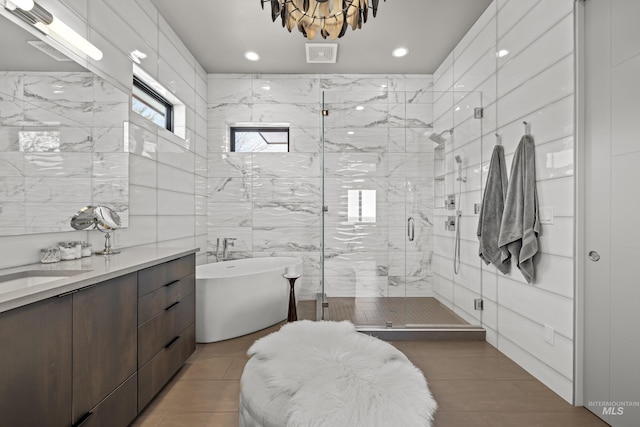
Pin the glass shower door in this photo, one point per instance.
(378, 193)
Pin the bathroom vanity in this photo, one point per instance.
(95, 347)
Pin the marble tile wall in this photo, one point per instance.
(61, 148)
(167, 174)
(519, 57)
(272, 202)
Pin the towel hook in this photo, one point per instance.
(498, 139)
(527, 128)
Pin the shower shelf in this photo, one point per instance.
(439, 178)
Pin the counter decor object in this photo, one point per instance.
(49, 255)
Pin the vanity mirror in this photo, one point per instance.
(62, 137)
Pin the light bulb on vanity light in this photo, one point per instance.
(62, 32)
(22, 4)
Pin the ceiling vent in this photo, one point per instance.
(322, 53)
(51, 51)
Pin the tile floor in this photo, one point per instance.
(474, 384)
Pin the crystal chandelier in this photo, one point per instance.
(330, 18)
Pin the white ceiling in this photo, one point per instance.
(218, 33)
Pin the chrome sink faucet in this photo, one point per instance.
(227, 242)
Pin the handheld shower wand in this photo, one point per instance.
(456, 248)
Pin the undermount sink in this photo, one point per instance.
(29, 278)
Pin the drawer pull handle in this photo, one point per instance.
(83, 419)
(172, 342)
(172, 306)
(171, 283)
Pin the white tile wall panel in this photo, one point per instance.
(489, 282)
(512, 11)
(538, 306)
(551, 85)
(537, 20)
(170, 178)
(548, 376)
(469, 277)
(559, 194)
(555, 159)
(175, 155)
(489, 314)
(182, 62)
(171, 227)
(149, 9)
(180, 86)
(518, 67)
(483, 22)
(173, 203)
(473, 78)
(142, 230)
(118, 66)
(232, 88)
(484, 41)
(142, 171)
(557, 238)
(143, 200)
(103, 19)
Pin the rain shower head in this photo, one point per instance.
(438, 138)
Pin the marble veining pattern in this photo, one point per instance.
(48, 138)
(272, 202)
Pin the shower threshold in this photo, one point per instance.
(426, 333)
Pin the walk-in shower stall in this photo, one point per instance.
(393, 192)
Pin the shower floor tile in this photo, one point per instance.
(370, 311)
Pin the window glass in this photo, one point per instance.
(151, 105)
(259, 139)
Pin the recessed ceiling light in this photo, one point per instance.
(252, 56)
(400, 52)
(359, 108)
(502, 53)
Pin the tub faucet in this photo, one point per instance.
(226, 243)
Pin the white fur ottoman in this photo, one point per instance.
(325, 374)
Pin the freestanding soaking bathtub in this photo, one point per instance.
(235, 298)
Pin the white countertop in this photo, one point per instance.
(96, 268)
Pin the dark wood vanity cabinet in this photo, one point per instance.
(97, 356)
(104, 350)
(166, 323)
(35, 364)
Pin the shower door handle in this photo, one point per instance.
(411, 228)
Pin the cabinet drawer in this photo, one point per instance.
(155, 302)
(155, 277)
(155, 374)
(117, 409)
(158, 331)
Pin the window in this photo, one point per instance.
(151, 105)
(361, 206)
(260, 139)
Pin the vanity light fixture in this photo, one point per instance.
(329, 18)
(22, 4)
(48, 24)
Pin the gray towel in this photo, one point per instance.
(491, 213)
(520, 228)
